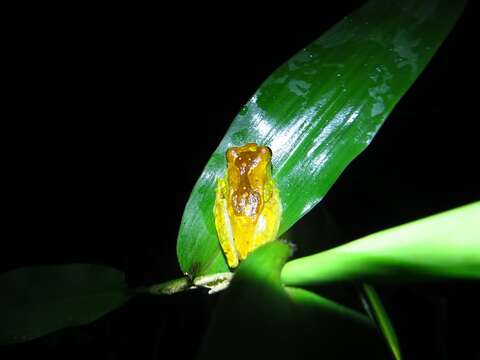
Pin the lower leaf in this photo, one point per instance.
(257, 317)
(36, 301)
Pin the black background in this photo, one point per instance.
(109, 122)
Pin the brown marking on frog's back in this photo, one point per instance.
(247, 178)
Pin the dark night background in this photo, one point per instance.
(109, 124)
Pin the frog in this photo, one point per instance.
(247, 208)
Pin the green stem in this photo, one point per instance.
(166, 288)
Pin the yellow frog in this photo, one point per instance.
(247, 206)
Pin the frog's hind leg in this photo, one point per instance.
(268, 221)
(224, 226)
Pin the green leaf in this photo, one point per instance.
(446, 245)
(258, 318)
(377, 312)
(36, 301)
(319, 110)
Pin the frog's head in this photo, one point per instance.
(250, 160)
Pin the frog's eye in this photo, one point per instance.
(265, 150)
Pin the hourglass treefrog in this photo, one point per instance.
(247, 206)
